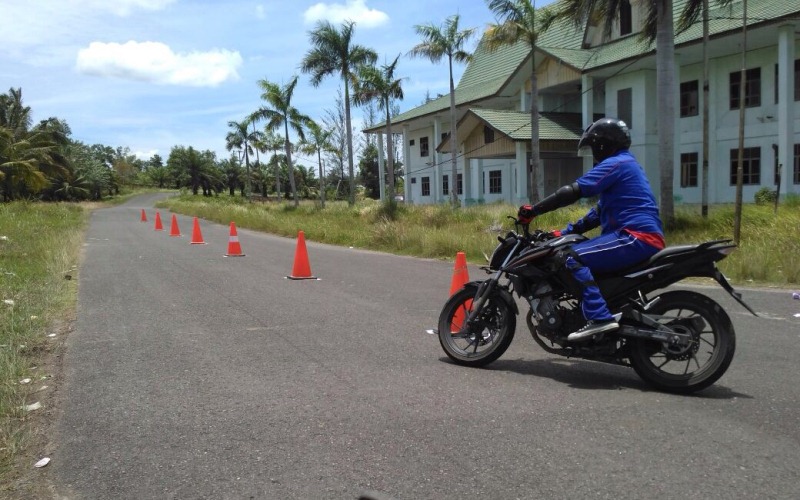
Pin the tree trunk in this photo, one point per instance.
(348, 124)
(321, 179)
(390, 159)
(665, 62)
(536, 188)
(737, 213)
(704, 199)
(289, 161)
(453, 138)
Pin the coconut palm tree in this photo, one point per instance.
(317, 141)
(380, 84)
(240, 138)
(438, 42)
(517, 21)
(280, 112)
(334, 52)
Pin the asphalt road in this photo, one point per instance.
(191, 375)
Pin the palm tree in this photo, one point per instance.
(333, 52)
(317, 141)
(437, 42)
(659, 27)
(240, 138)
(281, 113)
(518, 22)
(379, 84)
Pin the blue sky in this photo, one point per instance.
(152, 74)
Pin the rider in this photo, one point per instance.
(627, 213)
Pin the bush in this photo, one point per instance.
(765, 196)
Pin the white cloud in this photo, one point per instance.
(353, 10)
(156, 62)
(125, 7)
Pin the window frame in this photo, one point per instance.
(751, 170)
(425, 186)
(424, 147)
(752, 88)
(495, 181)
(689, 98)
(689, 167)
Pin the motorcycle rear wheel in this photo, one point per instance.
(486, 339)
(668, 368)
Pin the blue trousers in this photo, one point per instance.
(606, 253)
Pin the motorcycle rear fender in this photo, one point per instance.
(503, 293)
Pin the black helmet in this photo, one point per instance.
(605, 137)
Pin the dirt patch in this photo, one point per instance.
(23, 480)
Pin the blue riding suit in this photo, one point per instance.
(631, 230)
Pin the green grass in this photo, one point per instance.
(767, 245)
(39, 247)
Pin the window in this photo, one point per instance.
(796, 170)
(688, 170)
(495, 182)
(413, 180)
(445, 135)
(426, 186)
(752, 88)
(423, 146)
(751, 166)
(625, 18)
(689, 98)
(625, 106)
(488, 135)
(459, 184)
(445, 184)
(411, 142)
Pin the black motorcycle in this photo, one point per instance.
(677, 341)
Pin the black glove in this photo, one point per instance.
(525, 214)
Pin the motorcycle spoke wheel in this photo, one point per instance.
(481, 341)
(689, 368)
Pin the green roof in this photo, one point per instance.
(517, 124)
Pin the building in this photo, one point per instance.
(582, 75)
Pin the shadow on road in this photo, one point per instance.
(580, 374)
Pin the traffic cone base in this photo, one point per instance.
(234, 248)
(197, 236)
(173, 227)
(144, 216)
(301, 269)
(460, 278)
(158, 226)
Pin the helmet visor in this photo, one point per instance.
(586, 151)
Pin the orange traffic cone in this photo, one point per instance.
(158, 227)
(144, 216)
(197, 236)
(460, 278)
(301, 269)
(234, 248)
(173, 227)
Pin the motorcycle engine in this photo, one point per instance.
(546, 310)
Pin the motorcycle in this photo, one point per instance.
(677, 341)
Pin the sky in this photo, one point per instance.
(152, 74)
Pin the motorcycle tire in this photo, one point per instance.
(486, 339)
(667, 368)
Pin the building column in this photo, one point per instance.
(786, 56)
(718, 169)
(479, 177)
(587, 109)
(521, 167)
(406, 167)
(381, 168)
(467, 176)
(437, 159)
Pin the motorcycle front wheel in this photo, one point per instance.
(692, 368)
(483, 340)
